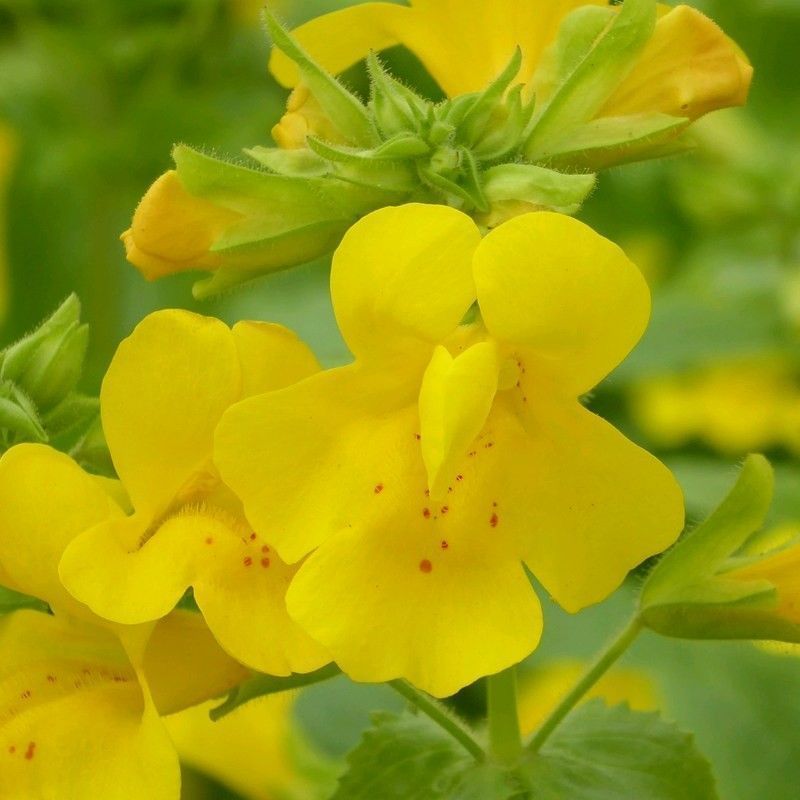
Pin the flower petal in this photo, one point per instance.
(162, 397)
(312, 458)
(590, 506)
(253, 752)
(74, 721)
(184, 665)
(239, 584)
(342, 38)
(454, 402)
(402, 276)
(46, 500)
(688, 68)
(571, 298)
(394, 601)
(271, 357)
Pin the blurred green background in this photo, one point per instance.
(93, 93)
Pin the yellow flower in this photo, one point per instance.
(78, 697)
(304, 115)
(255, 751)
(541, 690)
(688, 68)
(735, 407)
(172, 230)
(165, 390)
(424, 474)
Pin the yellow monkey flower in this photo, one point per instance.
(421, 477)
(257, 751)
(165, 390)
(686, 68)
(734, 406)
(79, 697)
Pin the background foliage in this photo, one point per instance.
(95, 92)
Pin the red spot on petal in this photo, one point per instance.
(265, 562)
(459, 477)
(493, 520)
(426, 512)
(265, 548)
(445, 545)
(51, 678)
(445, 509)
(248, 561)
(425, 566)
(494, 504)
(488, 445)
(12, 749)
(472, 453)
(209, 540)
(25, 695)
(31, 751)
(427, 493)
(417, 436)
(252, 537)
(379, 488)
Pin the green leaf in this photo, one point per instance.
(407, 757)
(702, 552)
(602, 753)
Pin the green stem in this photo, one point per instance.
(262, 685)
(441, 716)
(592, 675)
(505, 739)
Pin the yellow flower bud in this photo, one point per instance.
(304, 116)
(173, 231)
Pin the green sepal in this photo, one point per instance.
(344, 109)
(395, 108)
(608, 141)
(538, 187)
(73, 412)
(475, 121)
(19, 419)
(502, 139)
(91, 451)
(700, 555)
(298, 163)
(593, 64)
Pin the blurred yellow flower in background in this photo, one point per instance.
(735, 406)
(541, 689)
(257, 751)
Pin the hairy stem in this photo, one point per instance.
(505, 740)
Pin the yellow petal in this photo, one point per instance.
(688, 68)
(173, 231)
(552, 285)
(184, 665)
(74, 721)
(590, 504)
(454, 402)
(46, 500)
(438, 32)
(161, 399)
(392, 601)
(542, 689)
(252, 751)
(271, 357)
(312, 458)
(239, 584)
(402, 277)
(342, 38)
